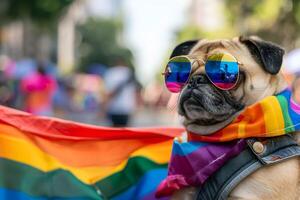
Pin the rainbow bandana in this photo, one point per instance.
(193, 162)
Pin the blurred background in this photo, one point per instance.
(100, 61)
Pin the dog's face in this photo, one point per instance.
(204, 107)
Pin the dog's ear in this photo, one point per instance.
(183, 48)
(268, 54)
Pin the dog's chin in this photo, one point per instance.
(205, 110)
(206, 129)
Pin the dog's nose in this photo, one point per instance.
(197, 80)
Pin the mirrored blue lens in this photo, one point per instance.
(177, 73)
(222, 70)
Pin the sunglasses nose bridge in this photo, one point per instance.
(197, 80)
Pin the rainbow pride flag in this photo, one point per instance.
(46, 158)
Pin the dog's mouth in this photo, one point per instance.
(206, 105)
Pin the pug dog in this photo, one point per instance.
(206, 109)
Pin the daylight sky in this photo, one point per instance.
(149, 29)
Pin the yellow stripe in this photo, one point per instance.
(221, 57)
(25, 152)
(242, 129)
(274, 120)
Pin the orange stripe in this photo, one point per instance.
(230, 132)
(256, 124)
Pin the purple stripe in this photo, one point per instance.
(197, 166)
(151, 196)
(295, 107)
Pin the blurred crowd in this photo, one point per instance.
(86, 37)
(109, 96)
(103, 96)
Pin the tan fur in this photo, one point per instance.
(280, 181)
(276, 182)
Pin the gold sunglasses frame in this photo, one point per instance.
(193, 60)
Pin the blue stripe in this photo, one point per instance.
(10, 194)
(287, 94)
(180, 72)
(146, 185)
(7, 194)
(185, 148)
(222, 71)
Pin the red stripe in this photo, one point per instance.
(63, 129)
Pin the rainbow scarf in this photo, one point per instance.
(273, 116)
(194, 161)
(45, 158)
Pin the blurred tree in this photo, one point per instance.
(193, 32)
(101, 43)
(41, 12)
(276, 20)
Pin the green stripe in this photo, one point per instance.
(57, 183)
(121, 181)
(61, 183)
(285, 111)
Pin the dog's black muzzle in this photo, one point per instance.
(201, 96)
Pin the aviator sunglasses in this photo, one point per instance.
(222, 69)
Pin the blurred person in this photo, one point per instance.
(121, 90)
(38, 89)
(63, 95)
(6, 91)
(6, 85)
(296, 91)
(15, 71)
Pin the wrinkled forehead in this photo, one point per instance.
(205, 48)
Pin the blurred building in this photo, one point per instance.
(78, 12)
(11, 39)
(208, 14)
(66, 35)
(17, 41)
(104, 8)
